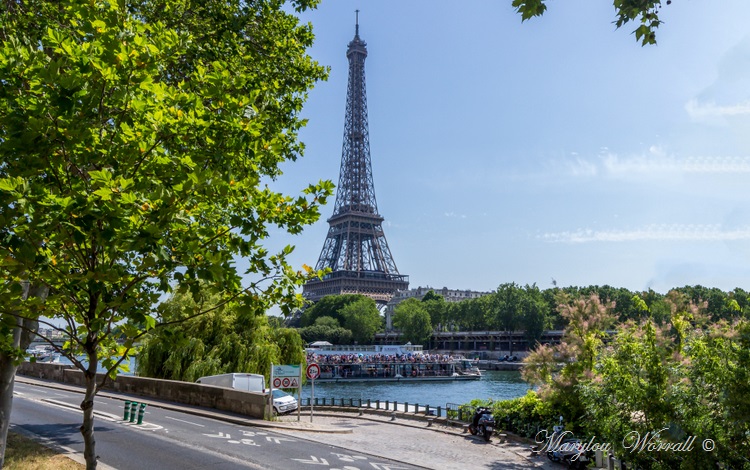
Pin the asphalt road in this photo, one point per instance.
(173, 440)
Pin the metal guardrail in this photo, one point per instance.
(458, 413)
(383, 405)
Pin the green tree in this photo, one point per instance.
(326, 329)
(220, 341)
(139, 141)
(363, 319)
(437, 308)
(645, 12)
(411, 318)
(329, 306)
(506, 314)
(534, 314)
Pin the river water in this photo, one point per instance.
(495, 385)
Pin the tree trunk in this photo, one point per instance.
(87, 405)
(9, 366)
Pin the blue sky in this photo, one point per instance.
(555, 149)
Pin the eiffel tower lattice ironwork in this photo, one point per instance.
(355, 248)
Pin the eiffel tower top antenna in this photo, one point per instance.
(356, 27)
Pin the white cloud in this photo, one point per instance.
(654, 163)
(675, 232)
(700, 111)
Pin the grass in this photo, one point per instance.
(23, 453)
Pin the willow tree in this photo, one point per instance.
(139, 145)
(223, 340)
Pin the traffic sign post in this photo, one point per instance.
(313, 372)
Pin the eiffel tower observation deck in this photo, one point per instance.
(355, 248)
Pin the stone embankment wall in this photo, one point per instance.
(251, 404)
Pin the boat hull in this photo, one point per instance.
(397, 379)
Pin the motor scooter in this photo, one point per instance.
(563, 447)
(483, 423)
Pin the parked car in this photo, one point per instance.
(283, 402)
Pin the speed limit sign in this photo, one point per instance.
(313, 371)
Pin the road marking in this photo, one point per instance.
(313, 461)
(385, 466)
(249, 442)
(277, 440)
(183, 421)
(253, 433)
(350, 458)
(221, 435)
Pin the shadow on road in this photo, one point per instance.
(64, 434)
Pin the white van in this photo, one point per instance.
(237, 381)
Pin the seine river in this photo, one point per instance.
(497, 385)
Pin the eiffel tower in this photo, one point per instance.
(355, 248)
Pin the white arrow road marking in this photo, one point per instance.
(221, 435)
(249, 442)
(313, 461)
(277, 440)
(385, 466)
(350, 458)
(253, 434)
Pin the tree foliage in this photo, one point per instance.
(685, 377)
(644, 12)
(413, 320)
(221, 341)
(363, 319)
(329, 306)
(326, 329)
(139, 143)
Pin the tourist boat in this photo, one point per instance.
(44, 353)
(387, 363)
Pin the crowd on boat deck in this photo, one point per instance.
(378, 358)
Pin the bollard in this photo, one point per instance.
(427, 410)
(133, 407)
(439, 412)
(360, 402)
(387, 405)
(127, 411)
(406, 406)
(416, 408)
(141, 411)
(368, 402)
(377, 404)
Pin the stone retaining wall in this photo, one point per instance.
(251, 404)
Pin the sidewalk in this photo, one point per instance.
(437, 446)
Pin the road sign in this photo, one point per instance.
(277, 382)
(313, 371)
(286, 371)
